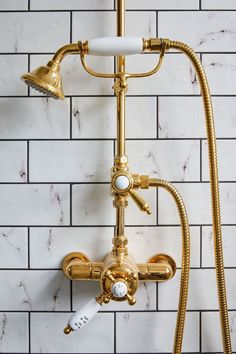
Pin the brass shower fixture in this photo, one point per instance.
(119, 274)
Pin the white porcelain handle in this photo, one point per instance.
(113, 46)
(81, 317)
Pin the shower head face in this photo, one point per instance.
(46, 79)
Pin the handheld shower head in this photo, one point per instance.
(46, 79)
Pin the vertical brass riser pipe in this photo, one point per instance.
(215, 195)
(120, 160)
(185, 268)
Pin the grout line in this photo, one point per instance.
(114, 150)
(108, 226)
(157, 297)
(28, 68)
(71, 204)
(201, 247)
(71, 296)
(112, 10)
(71, 26)
(201, 167)
(157, 117)
(200, 4)
(157, 24)
(112, 312)
(28, 5)
(29, 331)
(113, 139)
(115, 350)
(28, 236)
(27, 161)
(157, 206)
(200, 331)
(70, 123)
(129, 95)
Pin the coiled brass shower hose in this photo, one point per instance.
(183, 294)
(215, 195)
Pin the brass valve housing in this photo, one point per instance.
(116, 268)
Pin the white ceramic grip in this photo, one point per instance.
(81, 317)
(113, 46)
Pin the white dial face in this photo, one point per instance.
(122, 182)
(119, 289)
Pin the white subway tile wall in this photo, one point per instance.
(55, 160)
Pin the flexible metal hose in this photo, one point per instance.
(215, 195)
(184, 280)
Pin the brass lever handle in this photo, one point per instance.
(140, 202)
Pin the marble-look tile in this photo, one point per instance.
(34, 118)
(38, 290)
(75, 80)
(154, 332)
(221, 73)
(144, 242)
(149, 158)
(176, 76)
(92, 205)
(85, 290)
(13, 161)
(226, 158)
(6, 5)
(218, 4)
(229, 246)
(162, 4)
(13, 247)
(56, 243)
(95, 117)
(34, 204)
(203, 31)
(211, 333)
(47, 334)
(202, 290)
(14, 333)
(24, 33)
(12, 67)
(141, 24)
(197, 200)
(69, 161)
(71, 5)
(183, 117)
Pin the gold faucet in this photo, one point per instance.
(119, 274)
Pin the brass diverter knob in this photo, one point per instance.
(124, 184)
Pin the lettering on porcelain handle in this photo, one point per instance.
(81, 317)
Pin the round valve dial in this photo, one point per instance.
(122, 182)
(119, 289)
